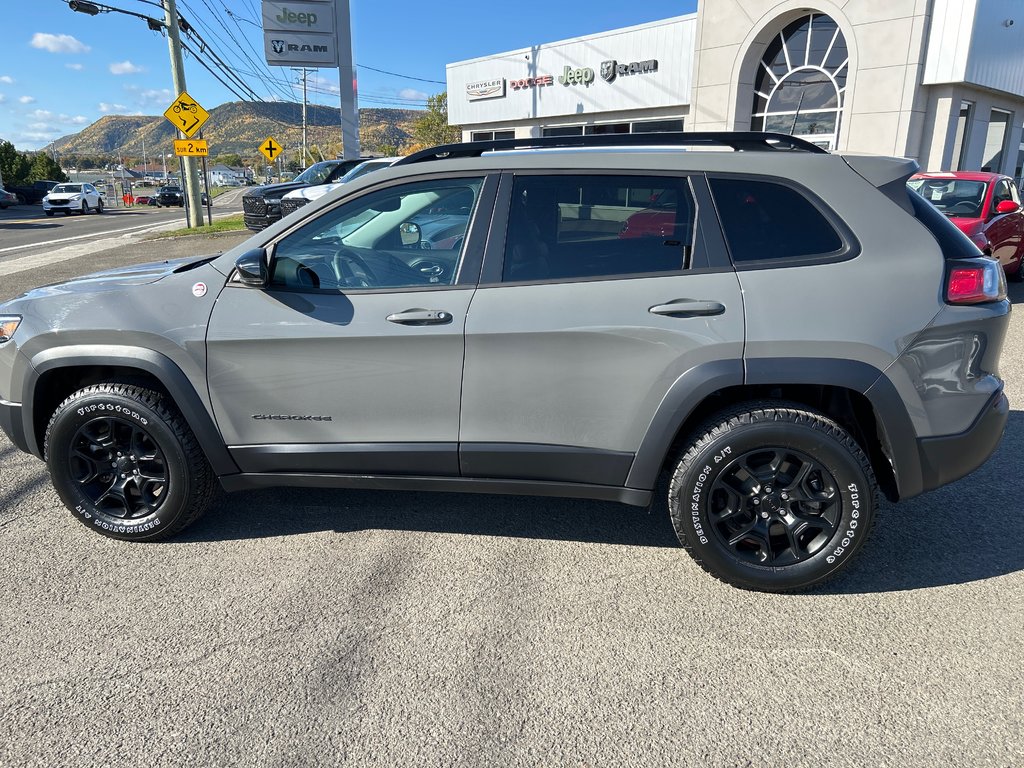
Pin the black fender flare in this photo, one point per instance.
(892, 418)
(161, 367)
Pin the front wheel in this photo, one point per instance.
(85, 208)
(773, 497)
(124, 460)
(99, 206)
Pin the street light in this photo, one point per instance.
(82, 7)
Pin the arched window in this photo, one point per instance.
(801, 81)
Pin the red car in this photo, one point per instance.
(985, 207)
(659, 220)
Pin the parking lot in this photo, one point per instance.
(309, 627)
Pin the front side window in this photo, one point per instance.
(579, 227)
(763, 221)
(406, 236)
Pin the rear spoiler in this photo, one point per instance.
(888, 174)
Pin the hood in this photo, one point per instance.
(315, 192)
(64, 195)
(968, 226)
(137, 274)
(274, 190)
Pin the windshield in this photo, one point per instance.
(67, 188)
(954, 197)
(317, 173)
(170, 190)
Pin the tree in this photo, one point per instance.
(13, 165)
(433, 129)
(230, 160)
(44, 167)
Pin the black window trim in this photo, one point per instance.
(849, 250)
(468, 273)
(710, 257)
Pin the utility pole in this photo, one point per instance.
(347, 82)
(304, 152)
(191, 171)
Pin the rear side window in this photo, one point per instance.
(954, 243)
(579, 227)
(764, 221)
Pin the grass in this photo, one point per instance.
(227, 224)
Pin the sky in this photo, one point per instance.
(62, 70)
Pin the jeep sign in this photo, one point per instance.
(298, 17)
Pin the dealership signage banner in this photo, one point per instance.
(300, 33)
(493, 88)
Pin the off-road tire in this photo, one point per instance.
(759, 529)
(84, 443)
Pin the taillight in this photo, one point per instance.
(975, 281)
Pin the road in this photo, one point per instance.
(24, 229)
(308, 627)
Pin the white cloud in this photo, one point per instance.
(107, 107)
(6, 79)
(41, 127)
(412, 93)
(41, 114)
(155, 97)
(79, 120)
(125, 68)
(58, 43)
(26, 99)
(76, 66)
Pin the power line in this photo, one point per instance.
(396, 74)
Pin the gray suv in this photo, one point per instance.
(757, 332)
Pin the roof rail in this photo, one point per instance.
(740, 141)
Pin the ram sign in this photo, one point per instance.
(305, 49)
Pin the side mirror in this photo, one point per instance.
(252, 268)
(410, 234)
(1007, 206)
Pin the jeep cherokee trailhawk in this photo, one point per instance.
(766, 334)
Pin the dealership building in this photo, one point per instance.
(941, 81)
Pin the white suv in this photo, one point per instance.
(73, 197)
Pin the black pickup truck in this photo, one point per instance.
(34, 192)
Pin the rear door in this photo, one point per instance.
(598, 293)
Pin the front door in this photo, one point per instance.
(350, 361)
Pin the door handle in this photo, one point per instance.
(421, 317)
(688, 308)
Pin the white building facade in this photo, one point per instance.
(941, 81)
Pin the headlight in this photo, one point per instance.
(75, 197)
(8, 325)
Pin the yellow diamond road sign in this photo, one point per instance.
(270, 149)
(186, 114)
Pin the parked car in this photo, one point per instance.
(68, 198)
(168, 196)
(812, 334)
(144, 199)
(985, 207)
(29, 194)
(7, 198)
(292, 201)
(261, 206)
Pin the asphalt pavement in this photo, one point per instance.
(358, 628)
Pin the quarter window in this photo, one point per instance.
(767, 221)
(578, 227)
(407, 236)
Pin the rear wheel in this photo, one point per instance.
(773, 497)
(99, 206)
(125, 462)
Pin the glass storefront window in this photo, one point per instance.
(995, 140)
(801, 81)
(963, 124)
(658, 126)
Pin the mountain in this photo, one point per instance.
(239, 127)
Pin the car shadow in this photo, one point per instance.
(967, 531)
(41, 224)
(1016, 292)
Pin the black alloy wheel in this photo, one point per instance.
(772, 496)
(119, 467)
(774, 506)
(126, 463)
